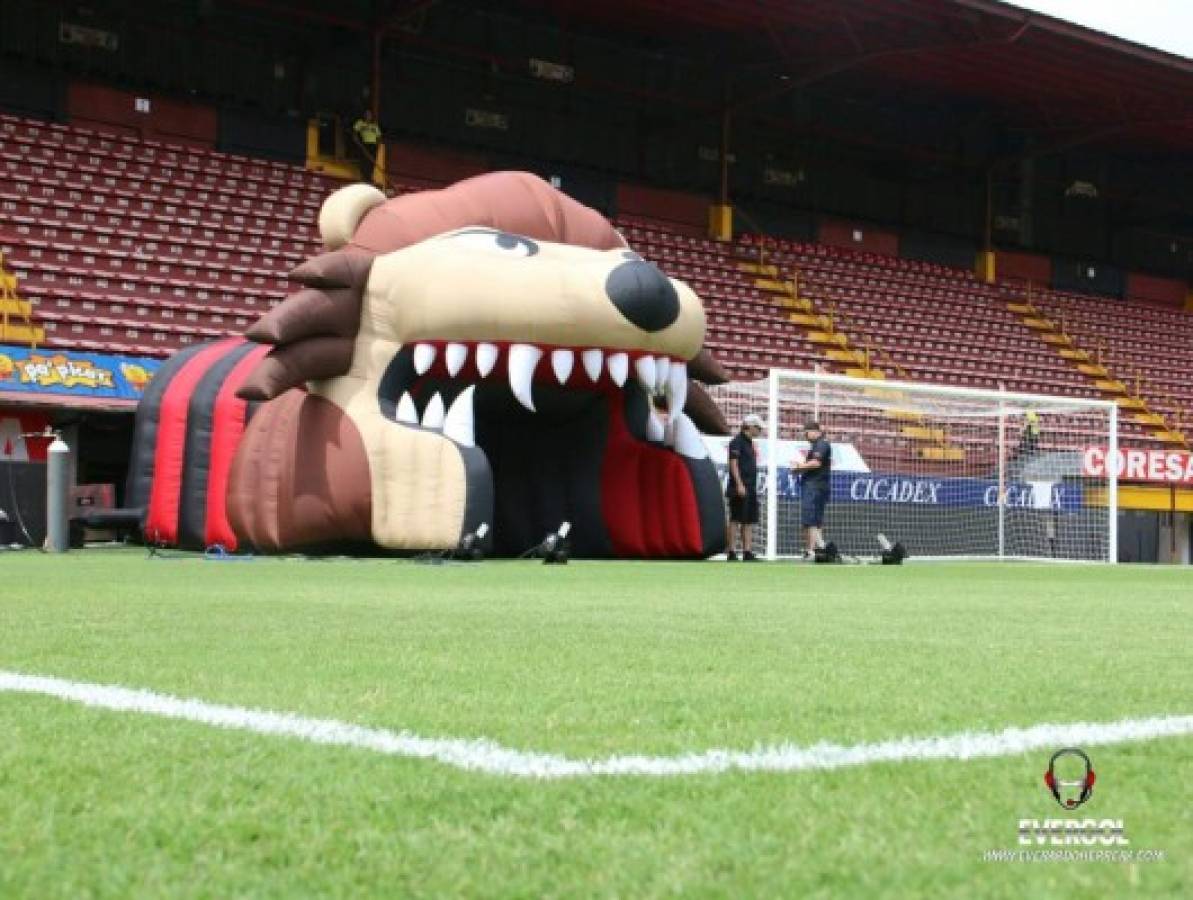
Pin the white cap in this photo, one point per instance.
(753, 421)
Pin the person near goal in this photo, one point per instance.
(815, 473)
(742, 488)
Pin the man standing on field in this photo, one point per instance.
(815, 473)
(742, 489)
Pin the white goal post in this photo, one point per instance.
(949, 472)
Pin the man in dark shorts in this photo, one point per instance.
(742, 488)
(815, 474)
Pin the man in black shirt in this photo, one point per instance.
(742, 488)
(815, 473)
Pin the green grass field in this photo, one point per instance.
(591, 660)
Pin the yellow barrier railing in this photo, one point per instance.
(12, 307)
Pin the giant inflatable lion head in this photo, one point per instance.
(491, 352)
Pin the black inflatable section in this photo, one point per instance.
(140, 466)
(478, 507)
(23, 499)
(192, 511)
(536, 485)
(712, 518)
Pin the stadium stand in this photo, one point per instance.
(139, 246)
(134, 246)
(923, 322)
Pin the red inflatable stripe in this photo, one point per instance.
(161, 522)
(647, 500)
(227, 428)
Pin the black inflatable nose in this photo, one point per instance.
(643, 294)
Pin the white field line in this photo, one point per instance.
(480, 755)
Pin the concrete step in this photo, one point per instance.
(834, 338)
(15, 333)
(847, 356)
(923, 433)
(754, 268)
(774, 286)
(14, 307)
(942, 454)
(1039, 324)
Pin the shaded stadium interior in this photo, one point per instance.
(874, 148)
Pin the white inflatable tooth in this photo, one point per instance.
(458, 425)
(687, 439)
(593, 360)
(454, 357)
(644, 367)
(662, 368)
(562, 362)
(486, 358)
(677, 388)
(619, 368)
(433, 414)
(424, 356)
(523, 359)
(654, 428)
(407, 413)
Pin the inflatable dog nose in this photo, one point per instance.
(643, 294)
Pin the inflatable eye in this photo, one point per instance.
(497, 242)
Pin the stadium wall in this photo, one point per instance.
(1151, 289)
(110, 109)
(858, 236)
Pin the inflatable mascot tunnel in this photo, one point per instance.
(492, 352)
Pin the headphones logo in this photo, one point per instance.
(1070, 794)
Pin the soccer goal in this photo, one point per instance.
(949, 472)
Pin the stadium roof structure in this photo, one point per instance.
(1068, 85)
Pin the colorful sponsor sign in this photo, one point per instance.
(73, 374)
(1173, 467)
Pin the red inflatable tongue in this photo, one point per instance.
(647, 500)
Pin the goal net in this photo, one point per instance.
(949, 472)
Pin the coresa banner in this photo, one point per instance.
(1173, 467)
(74, 374)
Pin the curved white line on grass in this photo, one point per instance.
(479, 755)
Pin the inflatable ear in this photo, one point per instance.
(343, 210)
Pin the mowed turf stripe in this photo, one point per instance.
(480, 755)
